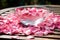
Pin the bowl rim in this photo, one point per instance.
(6, 9)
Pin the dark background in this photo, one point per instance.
(14, 3)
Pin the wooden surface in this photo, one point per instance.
(55, 36)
